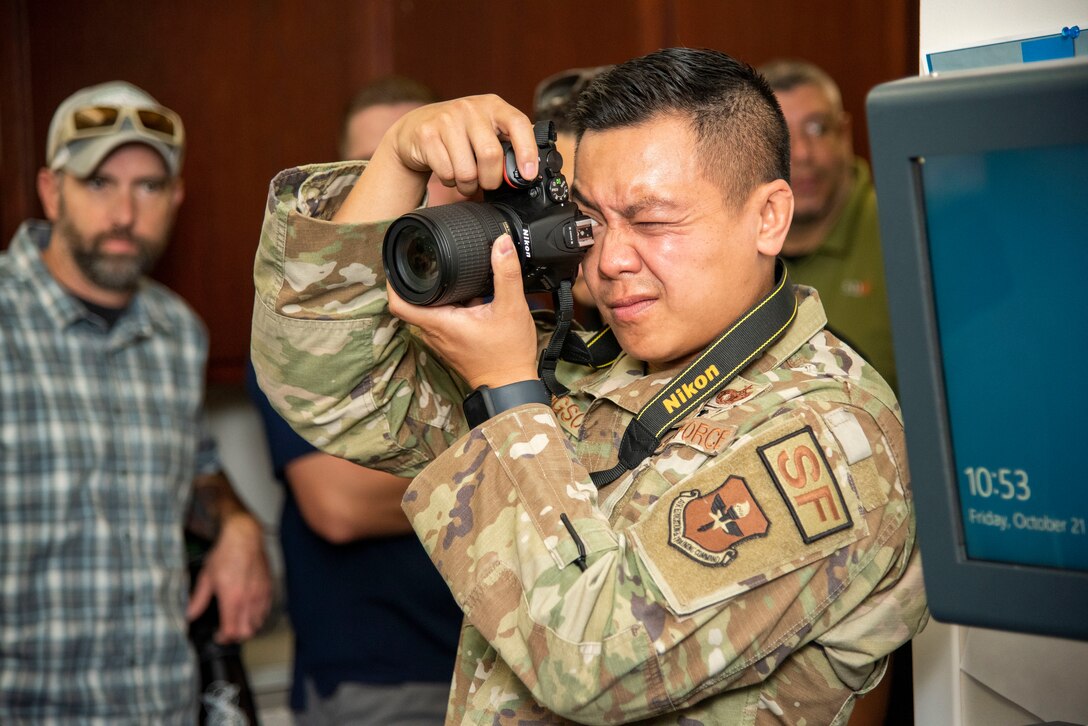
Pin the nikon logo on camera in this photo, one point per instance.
(688, 389)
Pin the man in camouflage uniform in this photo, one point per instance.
(759, 565)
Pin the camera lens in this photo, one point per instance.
(419, 263)
(442, 254)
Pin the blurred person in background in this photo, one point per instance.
(373, 110)
(834, 242)
(375, 626)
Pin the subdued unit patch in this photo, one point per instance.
(799, 469)
(737, 392)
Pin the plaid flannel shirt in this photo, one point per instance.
(101, 434)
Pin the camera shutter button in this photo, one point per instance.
(511, 172)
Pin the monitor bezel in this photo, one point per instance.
(962, 113)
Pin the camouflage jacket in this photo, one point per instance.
(758, 568)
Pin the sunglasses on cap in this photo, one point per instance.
(159, 122)
(560, 89)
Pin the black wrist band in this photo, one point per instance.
(484, 402)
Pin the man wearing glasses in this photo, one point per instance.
(104, 454)
(834, 242)
(715, 527)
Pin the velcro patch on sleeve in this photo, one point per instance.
(851, 436)
(730, 526)
(799, 469)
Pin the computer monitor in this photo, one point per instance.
(982, 184)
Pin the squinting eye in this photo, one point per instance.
(652, 227)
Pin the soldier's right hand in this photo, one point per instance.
(458, 140)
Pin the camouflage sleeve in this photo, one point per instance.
(732, 568)
(346, 375)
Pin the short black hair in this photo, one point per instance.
(739, 128)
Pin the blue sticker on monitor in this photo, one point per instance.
(1049, 48)
(1019, 430)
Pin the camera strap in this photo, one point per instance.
(744, 341)
(598, 352)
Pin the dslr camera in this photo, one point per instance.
(441, 255)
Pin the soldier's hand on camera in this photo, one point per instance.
(490, 344)
(458, 140)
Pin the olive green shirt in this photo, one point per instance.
(848, 270)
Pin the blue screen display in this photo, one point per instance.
(1008, 247)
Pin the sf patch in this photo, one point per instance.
(799, 469)
(707, 527)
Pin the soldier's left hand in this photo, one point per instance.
(490, 343)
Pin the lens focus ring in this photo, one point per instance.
(460, 237)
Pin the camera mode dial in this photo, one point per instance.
(558, 191)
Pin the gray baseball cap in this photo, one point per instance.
(91, 123)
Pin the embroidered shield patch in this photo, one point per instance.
(707, 527)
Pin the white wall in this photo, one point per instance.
(953, 24)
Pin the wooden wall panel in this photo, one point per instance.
(18, 164)
(506, 47)
(860, 43)
(261, 85)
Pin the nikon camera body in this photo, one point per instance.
(441, 255)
